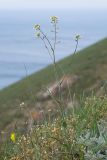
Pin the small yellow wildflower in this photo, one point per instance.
(37, 27)
(54, 19)
(13, 137)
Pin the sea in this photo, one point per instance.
(22, 54)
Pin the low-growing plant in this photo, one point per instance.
(79, 137)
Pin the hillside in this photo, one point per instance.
(89, 64)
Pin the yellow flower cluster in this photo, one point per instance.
(37, 27)
(54, 19)
(13, 137)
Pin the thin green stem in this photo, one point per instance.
(47, 39)
(76, 46)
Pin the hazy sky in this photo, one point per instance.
(16, 4)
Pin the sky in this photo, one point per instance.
(53, 4)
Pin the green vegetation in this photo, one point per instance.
(70, 124)
(90, 64)
(79, 135)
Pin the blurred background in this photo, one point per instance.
(19, 48)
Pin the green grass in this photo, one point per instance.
(90, 64)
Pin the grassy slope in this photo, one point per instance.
(90, 64)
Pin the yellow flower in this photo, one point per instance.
(13, 137)
(37, 27)
(54, 19)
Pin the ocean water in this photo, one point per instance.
(21, 51)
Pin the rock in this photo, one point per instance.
(53, 89)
